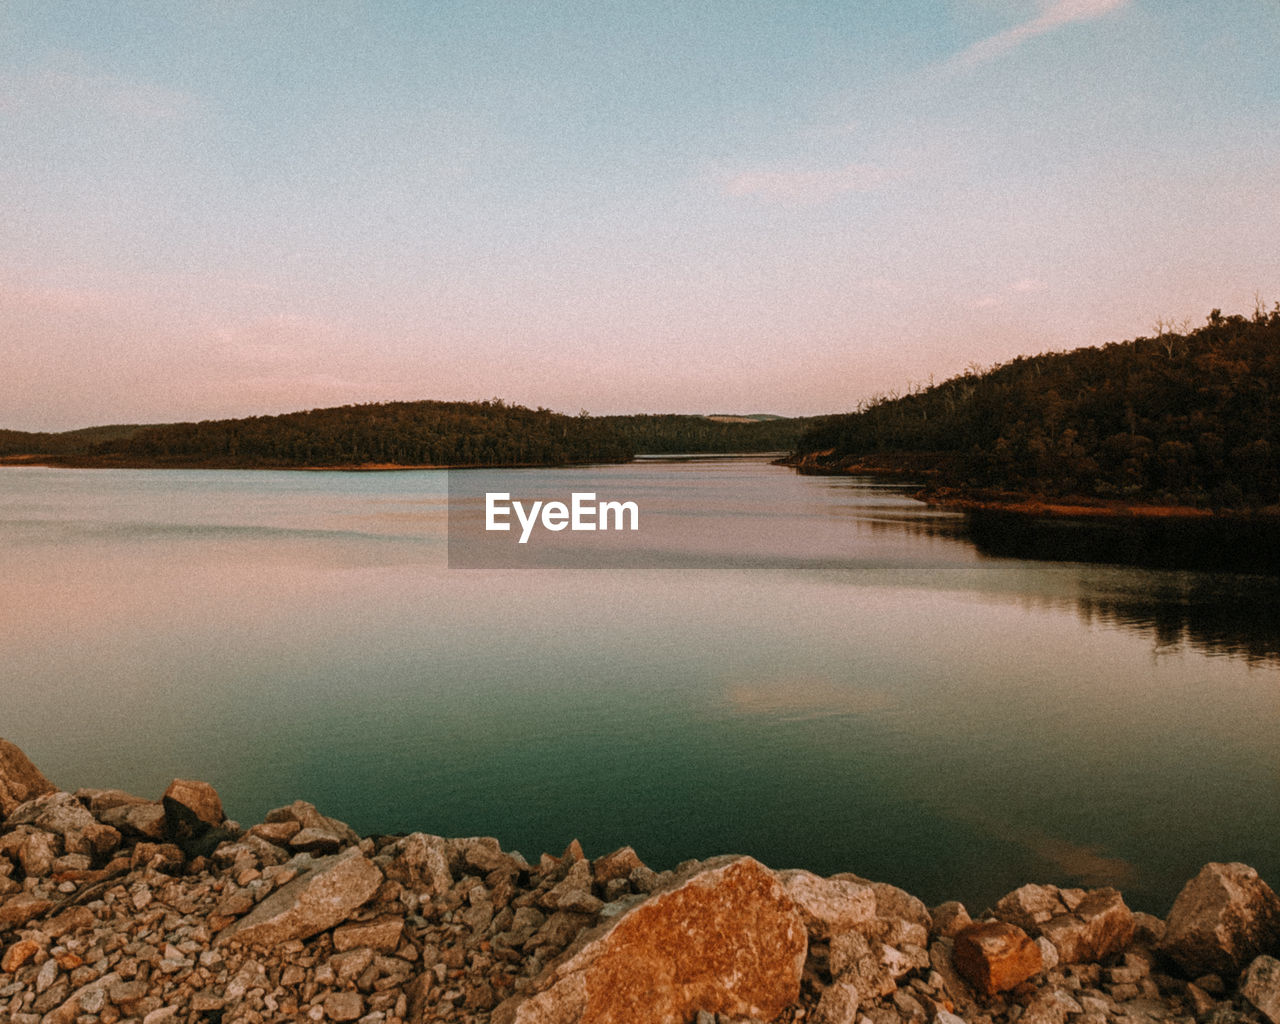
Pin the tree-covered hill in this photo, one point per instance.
(672, 434)
(490, 433)
(1189, 418)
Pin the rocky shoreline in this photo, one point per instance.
(124, 910)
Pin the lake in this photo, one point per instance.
(818, 671)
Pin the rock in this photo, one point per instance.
(1050, 1006)
(1099, 926)
(838, 1005)
(1261, 986)
(419, 861)
(144, 818)
(17, 955)
(573, 894)
(191, 808)
(77, 1002)
(724, 939)
(829, 906)
(326, 893)
(343, 1005)
(308, 817)
(861, 962)
(616, 865)
(995, 956)
(949, 919)
(1030, 906)
(20, 780)
(18, 910)
(37, 854)
(382, 934)
(1222, 919)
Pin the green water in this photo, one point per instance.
(819, 672)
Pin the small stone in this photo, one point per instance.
(343, 1005)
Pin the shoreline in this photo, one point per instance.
(118, 909)
(112, 462)
(933, 467)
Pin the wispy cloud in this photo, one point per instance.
(804, 185)
(66, 80)
(1054, 14)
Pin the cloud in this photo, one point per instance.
(66, 81)
(808, 186)
(1053, 15)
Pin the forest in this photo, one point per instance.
(489, 433)
(1187, 417)
(675, 434)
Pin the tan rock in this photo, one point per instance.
(995, 956)
(143, 818)
(20, 780)
(1261, 986)
(191, 808)
(950, 918)
(324, 895)
(1099, 926)
(725, 939)
(306, 815)
(74, 1004)
(382, 934)
(419, 861)
(838, 1005)
(17, 955)
(829, 906)
(16, 911)
(861, 962)
(343, 1005)
(618, 864)
(1222, 919)
(1030, 906)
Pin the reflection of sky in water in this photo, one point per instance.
(953, 723)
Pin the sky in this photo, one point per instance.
(222, 208)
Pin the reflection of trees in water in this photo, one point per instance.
(1216, 602)
(1218, 615)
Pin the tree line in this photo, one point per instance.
(1190, 417)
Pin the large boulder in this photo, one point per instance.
(1222, 919)
(325, 893)
(724, 938)
(20, 780)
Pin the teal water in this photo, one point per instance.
(819, 672)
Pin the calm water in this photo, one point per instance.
(835, 679)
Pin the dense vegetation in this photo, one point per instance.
(671, 434)
(488, 433)
(1189, 417)
(70, 442)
